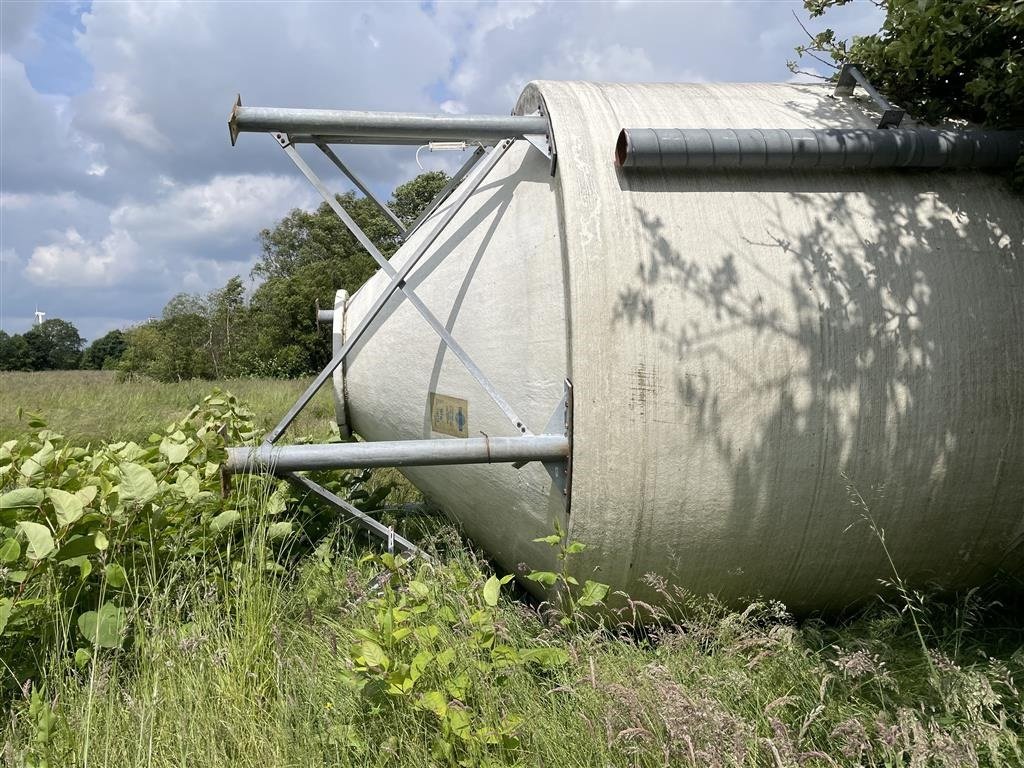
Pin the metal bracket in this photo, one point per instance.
(539, 141)
(560, 423)
(849, 77)
(544, 142)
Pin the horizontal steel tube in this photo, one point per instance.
(325, 315)
(777, 148)
(398, 453)
(382, 127)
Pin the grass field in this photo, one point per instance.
(93, 405)
(319, 660)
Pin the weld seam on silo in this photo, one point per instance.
(721, 148)
(397, 453)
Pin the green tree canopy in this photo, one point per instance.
(106, 351)
(939, 59)
(55, 344)
(15, 354)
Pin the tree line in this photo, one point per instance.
(230, 332)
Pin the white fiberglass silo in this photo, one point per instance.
(748, 351)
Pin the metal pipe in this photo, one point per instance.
(329, 125)
(397, 453)
(325, 315)
(778, 148)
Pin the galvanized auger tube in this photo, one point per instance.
(350, 127)
(783, 148)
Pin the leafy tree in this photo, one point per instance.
(940, 60)
(106, 351)
(227, 317)
(15, 354)
(306, 258)
(170, 349)
(55, 344)
(411, 198)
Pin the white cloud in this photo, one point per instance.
(117, 107)
(186, 233)
(453, 107)
(225, 209)
(75, 262)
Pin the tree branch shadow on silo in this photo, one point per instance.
(904, 376)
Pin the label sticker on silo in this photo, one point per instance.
(449, 415)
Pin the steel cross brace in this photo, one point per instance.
(398, 279)
(849, 77)
(360, 518)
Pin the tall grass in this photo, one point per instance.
(90, 406)
(256, 670)
(242, 665)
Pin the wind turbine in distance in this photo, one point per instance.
(39, 316)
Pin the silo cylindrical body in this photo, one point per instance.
(760, 360)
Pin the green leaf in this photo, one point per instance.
(10, 550)
(103, 628)
(491, 591)
(419, 664)
(433, 701)
(547, 578)
(100, 540)
(458, 721)
(593, 593)
(82, 563)
(419, 589)
(78, 546)
(34, 466)
(279, 530)
(21, 498)
(553, 540)
(372, 655)
(82, 658)
(6, 609)
(225, 520)
(40, 540)
(175, 452)
(545, 657)
(67, 505)
(86, 495)
(575, 547)
(116, 577)
(137, 483)
(277, 503)
(189, 486)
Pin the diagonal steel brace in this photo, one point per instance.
(397, 284)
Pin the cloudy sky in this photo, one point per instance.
(118, 184)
